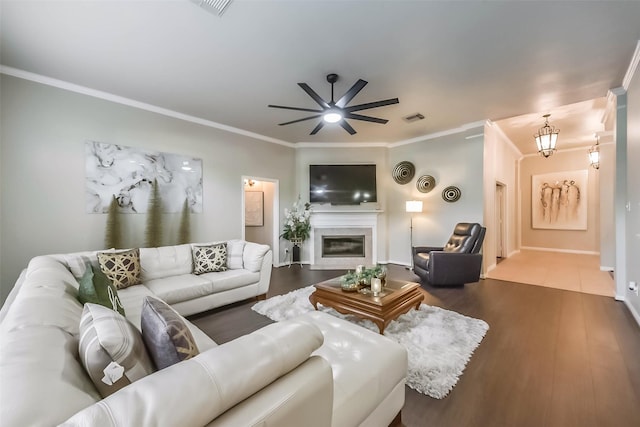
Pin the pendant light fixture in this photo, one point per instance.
(546, 138)
(594, 154)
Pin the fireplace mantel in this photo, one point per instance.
(344, 219)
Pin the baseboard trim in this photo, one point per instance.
(605, 268)
(567, 251)
(633, 311)
(406, 264)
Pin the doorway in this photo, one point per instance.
(501, 192)
(260, 207)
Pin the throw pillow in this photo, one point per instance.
(96, 288)
(235, 249)
(122, 268)
(208, 259)
(111, 349)
(167, 337)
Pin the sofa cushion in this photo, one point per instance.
(235, 249)
(211, 258)
(111, 349)
(166, 336)
(122, 268)
(96, 288)
(78, 262)
(165, 261)
(42, 382)
(180, 288)
(231, 279)
(253, 256)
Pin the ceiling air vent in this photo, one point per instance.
(413, 118)
(214, 6)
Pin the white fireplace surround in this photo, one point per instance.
(339, 222)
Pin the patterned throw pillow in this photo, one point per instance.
(208, 259)
(111, 349)
(167, 337)
(96, 288)
(122, 268)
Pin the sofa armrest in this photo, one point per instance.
(450, 268)
(265, 273)
(303, 397)
(197, 391)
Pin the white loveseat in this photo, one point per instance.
(315, 370)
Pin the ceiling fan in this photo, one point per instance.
(337, 111)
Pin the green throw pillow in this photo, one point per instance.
(96, 288)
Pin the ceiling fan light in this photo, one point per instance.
(332, 117)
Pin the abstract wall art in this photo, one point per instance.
(128, 174)
(559, 200)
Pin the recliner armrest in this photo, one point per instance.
(423, 249)
(450, 268)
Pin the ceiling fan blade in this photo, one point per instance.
(321, 102)
(317, 128)
(347, 127)
(294, 108)
(351, 93)
(371, 105)
(300, 120)
(365, 118)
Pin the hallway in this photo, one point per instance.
(572, 272)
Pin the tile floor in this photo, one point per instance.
(572, 272)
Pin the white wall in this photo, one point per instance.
(42, 171)
(607, 174)
(451, 160)
(500, 165)
(570, 240)
(633, 191)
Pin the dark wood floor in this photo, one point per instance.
(550, 358)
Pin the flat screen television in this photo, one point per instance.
(342, 184)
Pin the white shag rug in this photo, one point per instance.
(439, 342)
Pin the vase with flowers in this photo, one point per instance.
(297, 226)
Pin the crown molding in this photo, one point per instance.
(72, 87)
(633, 66)
(49, 81)
(508, 140)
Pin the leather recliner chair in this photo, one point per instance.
(455, 264)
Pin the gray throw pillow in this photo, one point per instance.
(167, 337)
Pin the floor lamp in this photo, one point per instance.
(412, 207)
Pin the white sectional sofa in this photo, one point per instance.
(315, 370)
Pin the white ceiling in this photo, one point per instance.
(456, 62)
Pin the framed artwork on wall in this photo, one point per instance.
(559, 200)
(128, 174)
(254, 208)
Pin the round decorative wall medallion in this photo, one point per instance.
(403, 172)
(425, 183)
(451, 194)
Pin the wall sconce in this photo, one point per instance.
(594, 154)
(546, 138)
(412, 206)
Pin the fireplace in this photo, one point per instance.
(343, 246)
(352, 239)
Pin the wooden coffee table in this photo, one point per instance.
(397, 297)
